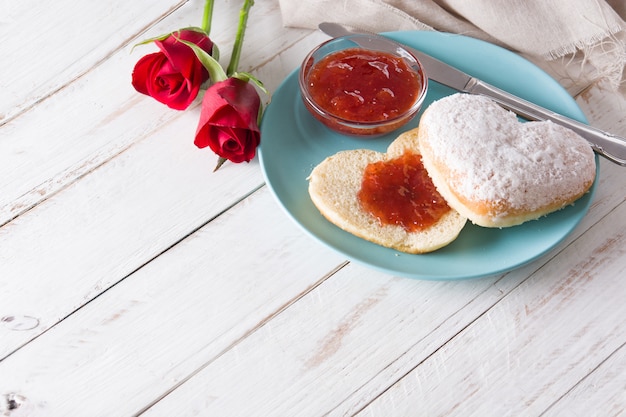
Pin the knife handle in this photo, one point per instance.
(610, 146)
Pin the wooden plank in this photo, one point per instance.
(366, 328)
(34, 293)
(49, 53)
(138, 191)
(534, 345)
(114, 341)
(601, 393)
(113, 221)
(311, 358)
(338, 318)
(605, 107)
(87, 121)
(100, 115)
(179, 312)
(122, 341)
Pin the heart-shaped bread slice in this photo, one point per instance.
(496, 170)
(335, 184)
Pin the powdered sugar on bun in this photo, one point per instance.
(497, 171)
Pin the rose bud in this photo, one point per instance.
(229, 120)
(174, 75)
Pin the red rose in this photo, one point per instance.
(229, 120)
(174, 75)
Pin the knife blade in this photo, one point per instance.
(608, 145)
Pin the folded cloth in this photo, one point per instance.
(588, 35)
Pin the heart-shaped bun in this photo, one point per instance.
(497, 171)
(334, 186)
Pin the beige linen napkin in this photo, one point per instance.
(589, 36)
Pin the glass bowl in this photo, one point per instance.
(362, 85)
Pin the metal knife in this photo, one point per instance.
(610, 146)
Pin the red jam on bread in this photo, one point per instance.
(399, 191)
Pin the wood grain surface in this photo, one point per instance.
(135, 281)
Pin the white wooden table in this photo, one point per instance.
(133, 280)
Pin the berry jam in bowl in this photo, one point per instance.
(362, 85)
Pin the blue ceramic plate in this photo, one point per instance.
(293, 143)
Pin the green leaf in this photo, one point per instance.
(259, 118)
(246, 76)
(166, 35)
(156, 38)
(146, 41)
(215, 53)
(194, 29)
(216, 72)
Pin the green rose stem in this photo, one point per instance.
(216, 72)
(207, 16)
(241, 29)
